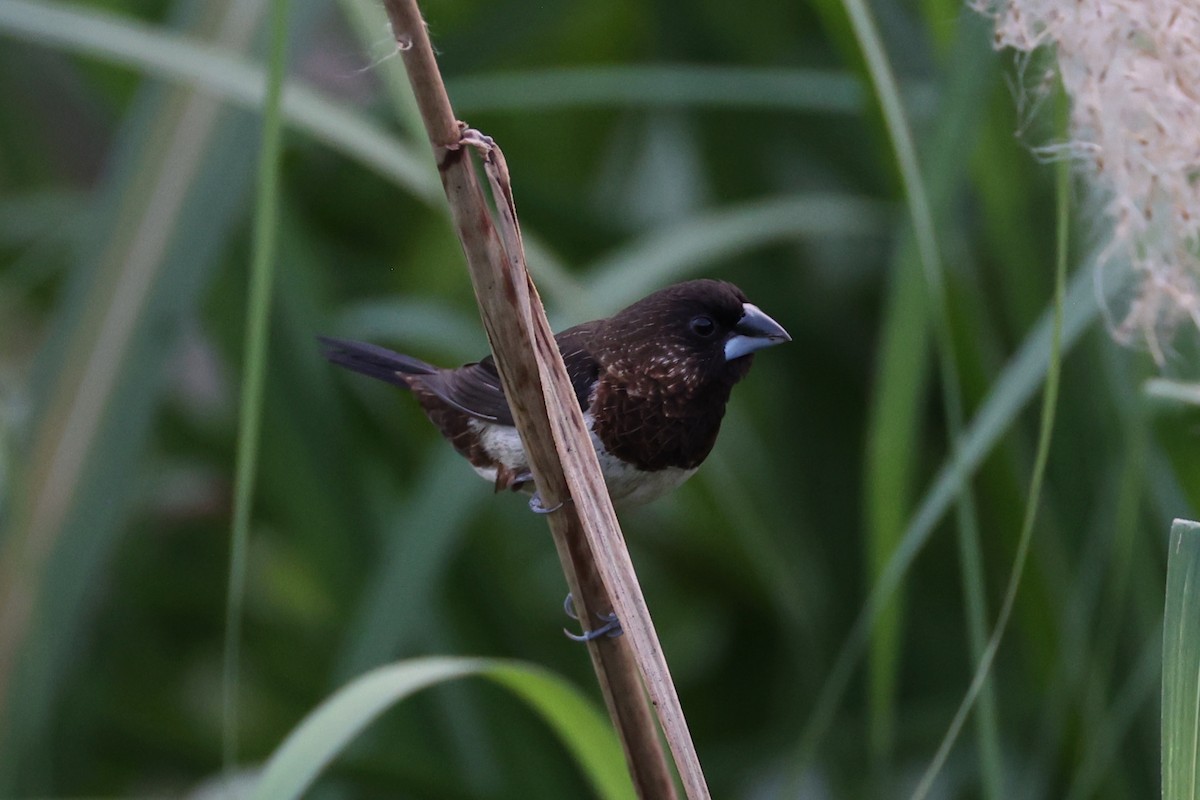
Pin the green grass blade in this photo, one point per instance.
(222, 72)
(1181, 666)
(658, 87)
(326, 732)
(1009, 394)
(682, 250)
(921, 216)
(1045, 435)
(240, 82)
(893, 431)
(901, 376)
(254, 372)
(98, 383)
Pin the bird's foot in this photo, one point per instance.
(611, 627)
(536, 506)
(477, 139)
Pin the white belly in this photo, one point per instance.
(627, 485)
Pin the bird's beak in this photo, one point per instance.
(754, 331)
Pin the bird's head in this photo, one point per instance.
(693, 334)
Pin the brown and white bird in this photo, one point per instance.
(652, 381)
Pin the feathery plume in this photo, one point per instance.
(1131, 69)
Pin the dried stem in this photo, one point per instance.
(589, 541)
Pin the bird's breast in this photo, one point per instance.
(629, 485)
(656, 425)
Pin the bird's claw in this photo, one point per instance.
(535, 505)
(469, 137)
(611, 627)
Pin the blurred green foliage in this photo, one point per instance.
(648, 142)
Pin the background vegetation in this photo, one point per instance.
(649, 142)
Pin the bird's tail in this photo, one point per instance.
(377, 362)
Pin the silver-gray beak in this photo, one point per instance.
(754, 331)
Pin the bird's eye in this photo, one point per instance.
(703, 326)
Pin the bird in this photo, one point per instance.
(652, 382)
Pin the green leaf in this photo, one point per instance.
(254, 368)
(686, 249)
(1181, 666)
(223, 72)
(140, 274)
(660, 87)
(325, 732)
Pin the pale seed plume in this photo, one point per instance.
(1131, 69)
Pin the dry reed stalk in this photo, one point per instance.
(585, 529)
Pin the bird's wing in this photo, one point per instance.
(475, 388)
